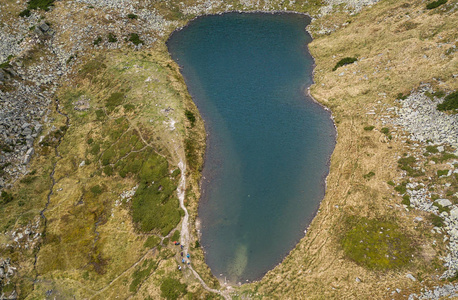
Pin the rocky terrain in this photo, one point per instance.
(46, 50)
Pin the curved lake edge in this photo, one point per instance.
(306, 90)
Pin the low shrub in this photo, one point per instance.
(436, 220)
(132, 16)
(376, 244)
(401, 188)
(369, 175)
(190, 116)
(369, 128)
(406, 200)
(140, 275)
(432, 149)
(152, 241)
(450, 102)
(135, 39)
(112, 38)
(401, 96)
(344, 61)
(176, 236)
(96, 190)
(129, 107)
(114, 100)
(6, 197)
(97, 41)
(442, 172)
(407, 164)
(435, 4)
(40, 4)
(172, 288)
(25, 13)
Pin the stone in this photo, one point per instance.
(44, 27)
(454, 213)
(443, 202)
(28, 156)
(410, 276)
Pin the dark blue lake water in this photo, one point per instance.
(268, 143)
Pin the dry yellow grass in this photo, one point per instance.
(391, 54)
(79, 258)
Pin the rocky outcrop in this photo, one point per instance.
(417, 110)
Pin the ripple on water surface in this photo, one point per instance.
(269, 144)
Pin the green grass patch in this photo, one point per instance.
(40, 4)
(176, 235)
(6, 197)
(190, 116)
(108, 170)
(132, 16)
(369, 175)
(129, 107)
(344, 61)
(435, 4)
(152, 241)
(140, 274)
(376, 244)
(107, 157)
(436, 220)
(432, 149)
(369, 128)
(401, 96)
(155, 206)
(172, 289)
(450, 102)
(97, 41)
(96, 190)
(192, 155)
(135, 39)
(28, 179)
(442, 172)
(114, 100)
(444, 157)
(25, 13)
(401, 188)
(407, 164)
(385, 130)
(5, 65)
(95, 149)
(406, 200)
(112, 38)
(391, 183)
(441, 208)
(92, 68)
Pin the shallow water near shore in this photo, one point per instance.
(268, 145)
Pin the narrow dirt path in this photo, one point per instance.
(185, 230)
(51, 191)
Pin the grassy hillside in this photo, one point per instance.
(96, 214)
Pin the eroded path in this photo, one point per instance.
(185, 230)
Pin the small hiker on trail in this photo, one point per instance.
(188, 256)
(181, 247)
(181, 253)
(179, 267)
(182, 260)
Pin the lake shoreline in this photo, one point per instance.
(207, 134)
